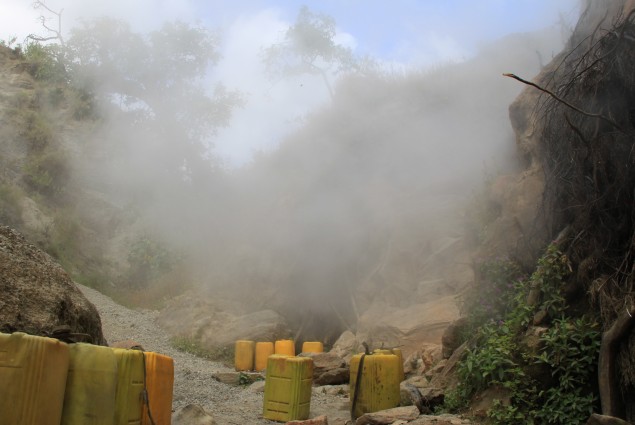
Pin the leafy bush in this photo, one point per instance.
(36, 131)
(553, 268)
(45, 62)
(571, 348)
(493, 298)
(48, 173)
(569, 352)
(148, 259)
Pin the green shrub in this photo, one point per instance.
(492, 299)
(569, 352)
(148, 259)
(571, 348)
(36, 131)
(48, 173)
(45, 62)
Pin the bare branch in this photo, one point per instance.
(559, 99)
(58, 32)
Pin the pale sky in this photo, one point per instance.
(402, 34)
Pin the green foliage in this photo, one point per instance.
(553, 268)
(148, 260)
(83, 105)
(48, 173)
(569, 352)
(36, 131)
(493, 363)
(309, 47)
(571, 348)
(493, 299)
(45, 62)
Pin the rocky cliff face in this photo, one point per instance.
(576, 141)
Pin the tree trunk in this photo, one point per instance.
(612, 404)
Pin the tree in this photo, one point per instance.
(309, 48)
(57, 32)
(158, 81)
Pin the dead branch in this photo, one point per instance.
(58, 32)
(559, 99)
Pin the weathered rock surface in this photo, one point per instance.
(213, 325)
(440, 420)
(389, 416)
(422, 360)
(320, 420)
(193, 414)
(238, 378)
(346, 345)
(407, 328)
(38, 295)
(452, 337)
(328, 369)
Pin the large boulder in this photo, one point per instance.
(346, 345)
(407, 328)
(38, 296)
(193, 414)
(216, 324)
(328, 368)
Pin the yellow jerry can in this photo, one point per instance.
(285, 347)
(263, 351)
(288, 388)
(33, 374)
(396, 352)
(160, 387)
(244, 355)
(91, 386)
(130, 386)
(378, 383)
(312, 347)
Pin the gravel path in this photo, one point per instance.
(193, 382)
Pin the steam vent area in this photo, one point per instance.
(317, 213)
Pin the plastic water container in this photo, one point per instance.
(396, 352)
(288, 388)
(244, 355)
(33, 374)
(263, 351)
(160, 386)
(312, 347)
(91, 386)
(130, 385)
(379, 383)
(285, 347)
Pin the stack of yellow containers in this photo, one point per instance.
(48, 382)
(91, 386)
(250, 355)
(33, 374)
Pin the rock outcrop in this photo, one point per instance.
(38, 296)
(216, 325)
